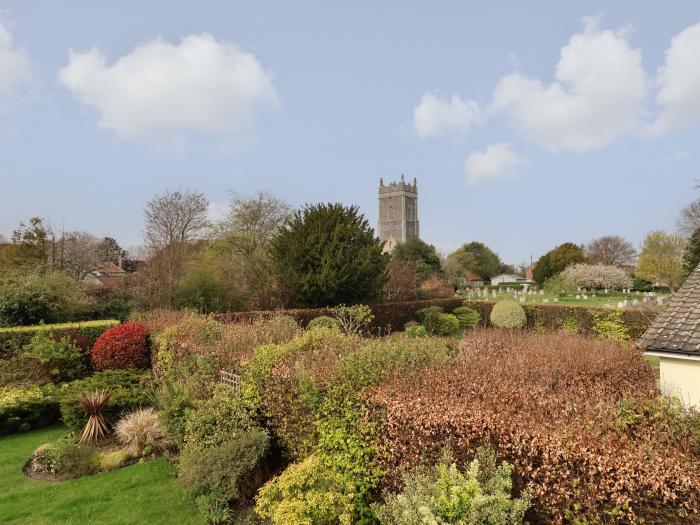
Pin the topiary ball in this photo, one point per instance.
(468, 317)
(508, 314)
(124, 346)
(416, 331)
(324, 321)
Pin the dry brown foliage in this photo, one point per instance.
(551, 405)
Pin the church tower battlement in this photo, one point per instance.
(398, 212)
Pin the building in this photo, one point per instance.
(507, 278)
(106, 275)
(398, 212)
(674, 337)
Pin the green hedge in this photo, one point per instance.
(82, 334)
(388, 317)
(24, 409)
(556, 317)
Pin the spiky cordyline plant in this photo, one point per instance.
(94, 403)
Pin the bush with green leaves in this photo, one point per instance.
(324, 321)
(416, 331)
(327, 254)
(56, 360)
(130, 390)
(444, 325)
(29, 408)
(306, 493)
(431, 311)
(610, 326)
(30, 298)
(227, 471)
(467, 317)
(214, 421)
(172, 398)
(354, 319)
(444, 495)
(508, 314)
(83, 334)
(69, 459)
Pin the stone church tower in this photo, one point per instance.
(398, 212)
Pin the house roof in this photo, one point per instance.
(677, 328)
(471, 276)
(108, 268)
(509, 275)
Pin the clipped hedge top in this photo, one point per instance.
(60, 326)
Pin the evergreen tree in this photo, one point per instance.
(691, 254)
(474, 257)
(422, 254)
(555, 261)
(327, 254)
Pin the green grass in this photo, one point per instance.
(600, 300)
(144, 493)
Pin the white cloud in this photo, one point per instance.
(679, 82)
(160, 91)
(16, 70)
(597, 97)
(499, 160)
(433, 117)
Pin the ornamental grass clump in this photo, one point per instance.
(93, 403)
(141, 430)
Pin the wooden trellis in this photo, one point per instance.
(230, 379)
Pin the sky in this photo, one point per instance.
(526, 124)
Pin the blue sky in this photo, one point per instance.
(527, 124)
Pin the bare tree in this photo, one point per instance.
(175, 217)
(611, 250)
(77, 253)
(689, 219)
(173, 221)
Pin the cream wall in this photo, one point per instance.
(681, 378)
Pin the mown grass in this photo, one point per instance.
(145, 493)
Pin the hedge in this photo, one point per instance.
(27, 409)
(388, 317)
(553, 317)
(82, 334)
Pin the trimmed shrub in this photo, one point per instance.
(227, 471)
(306, 493)
(124, 346)
(130, 390)
(443, 494)
(416, 331)
(443, 325)
(218, 419)
(596, 457)
(467, 317)
(325, 321)
(354, 319)
(508, 314)
(24, 409)
(431, 311)
(140, 430)
(81, 334)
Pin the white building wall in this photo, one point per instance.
(681, 378)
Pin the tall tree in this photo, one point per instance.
(421, 254)
(175, 217)
(174, 221)
(108, 250)
(244, 236)
(691, 254)
(77, 253)
(689, 218)
(661, 259)
(610, 250)
(555, 261)
(473, 257)
(31, 246)
(327, 254)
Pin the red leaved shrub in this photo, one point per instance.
(580, 420)
(124, 346)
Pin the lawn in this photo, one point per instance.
(144, 493)
(609, 300)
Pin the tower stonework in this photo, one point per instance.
(398, 212)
